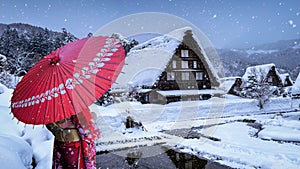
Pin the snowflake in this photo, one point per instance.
(291, 22)
(253, 17)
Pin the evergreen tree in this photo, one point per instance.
(67, 36)
(23, 50)
(3, 63)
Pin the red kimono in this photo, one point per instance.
(79, 154)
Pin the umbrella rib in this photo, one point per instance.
(28, 86)
(87, 88)
(96, 84)
(102, 77)
(67, 95)
(104, 68)
(54, 105)
(45, 106)
(95, 75)
(75, 90)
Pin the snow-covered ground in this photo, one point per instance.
(230, 130)
(242, 136)
(20, 143)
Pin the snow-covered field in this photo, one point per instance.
(242, 136)
(230, 130)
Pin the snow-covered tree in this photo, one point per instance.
(67, 36)
(106, 99)
(259, 90)
(3, 63)
(4, 78)
(25, 46)
(126, 43)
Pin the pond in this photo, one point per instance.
(153, 157)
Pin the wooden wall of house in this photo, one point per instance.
(236, 87)
(185, 71)
(272, 78)
(287, 82)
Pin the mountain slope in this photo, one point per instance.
(285, 55)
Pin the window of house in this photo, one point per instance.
(195, 64)
(184, 53)
(146, 98)
(199, 75)
(185, 76)
(184, 64)
(170, 76)
(270, 79)
(174, 64)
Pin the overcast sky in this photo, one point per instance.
(227, 23)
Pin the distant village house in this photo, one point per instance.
(296, 88)
(266, 73)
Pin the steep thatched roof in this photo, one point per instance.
(145, 62)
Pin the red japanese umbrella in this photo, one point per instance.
(68, 80)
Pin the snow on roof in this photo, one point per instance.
(227, 83)
(189, 92)
(1, 88)
(145, 62)
(284, 76)
(2, 58)
(260, 72)
(296, 86)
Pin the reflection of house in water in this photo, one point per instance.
(186, 161)
(143, 158)
(169, 68)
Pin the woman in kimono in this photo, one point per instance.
(74, 146)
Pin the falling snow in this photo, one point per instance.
(231, 19)
(291, 22)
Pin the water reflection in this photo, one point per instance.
(169, 159)
(186, 161)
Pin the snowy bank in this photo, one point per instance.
(19, 144)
